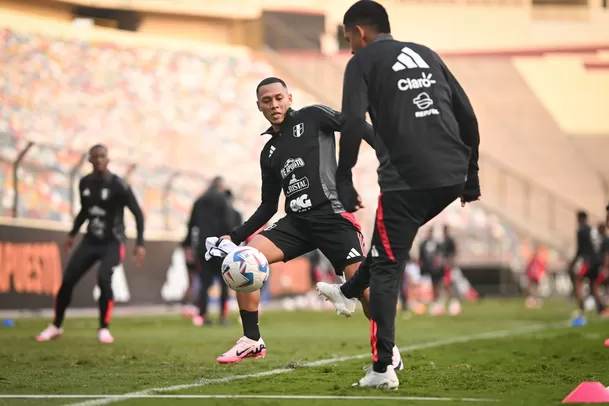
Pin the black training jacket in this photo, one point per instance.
(419, 112)
(103, 201)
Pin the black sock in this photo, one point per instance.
(380, 368)
(345, 290)
(599, 305)
(250, 324)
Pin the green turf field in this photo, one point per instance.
(494, 350)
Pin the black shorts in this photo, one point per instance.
(337, 236)
(591, 272)
(436, 274)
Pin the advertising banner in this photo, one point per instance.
(32, 262)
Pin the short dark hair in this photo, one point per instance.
(217, 181)
(368, 13)
(582, 215)
(98, 146)
(269, 81)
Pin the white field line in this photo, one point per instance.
(291, 397)
(215, 381)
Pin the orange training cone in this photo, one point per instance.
(588, 392)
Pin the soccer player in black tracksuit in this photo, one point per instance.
(300, 159)
(422, 116)
(590, 269)
(211, 215)
(103, 198)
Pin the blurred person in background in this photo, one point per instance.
(448, 251)
(589, 270)
(603, 258)
(237, 218)
(536, 269)
(212, 214)
(190, 299)
(410, 286)
(103, 198)
(430, 261)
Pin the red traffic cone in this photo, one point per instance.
(588, 392)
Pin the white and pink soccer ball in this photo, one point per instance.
(245, 269)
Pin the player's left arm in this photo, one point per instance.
(468, 131)
(332, 120)
(354, 106)
(132, 204)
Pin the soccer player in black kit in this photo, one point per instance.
(422, 116)
(591, 269)
(300, 160)
(103, 198)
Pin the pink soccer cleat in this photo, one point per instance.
(245, 348)
(198, 321)
(104, 336)
(50, 333)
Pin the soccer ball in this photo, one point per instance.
(245, 269)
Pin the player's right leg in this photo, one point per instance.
(578, 288)
(437, 307)
(206, 278)
(596, 282)
(113, 255)
(280, 242)
(80, 262)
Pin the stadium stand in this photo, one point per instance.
(175, 112)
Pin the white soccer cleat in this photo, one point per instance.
(396, 360)
(245, 348)
(343, 305)
(437, 309)
(385, 380)
(52, 332)
(454, 308)
(104, 336)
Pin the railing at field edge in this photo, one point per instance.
(20, 168)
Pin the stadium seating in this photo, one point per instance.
(175, 115)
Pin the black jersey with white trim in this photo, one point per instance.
(103, 201)
(300, 159)
(419, 111)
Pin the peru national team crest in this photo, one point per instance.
(298, 130)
